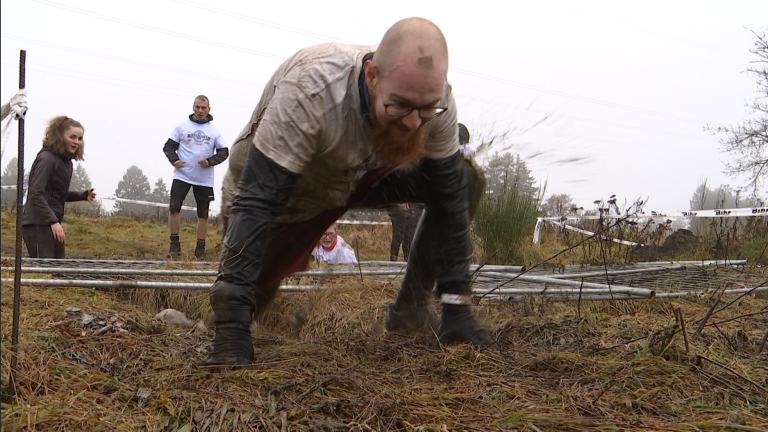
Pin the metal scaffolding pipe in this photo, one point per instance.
(195, 272)
(192, 286)
(612, 272)
(107, 261)
(700, 263)
(565, 297)
(606, 296)
(511, 294)
(627, 291)
(473, 267)
(363, 264)
(377, 263)
(115, 271)
(565, 282)
(188, 272)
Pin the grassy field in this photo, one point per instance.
(323, 361)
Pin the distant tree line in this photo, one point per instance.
(135, 186)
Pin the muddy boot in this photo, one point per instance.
(232, 348)
(200, 249)
(175, 249)
(459, 324)
(411, 318)
(412, 312)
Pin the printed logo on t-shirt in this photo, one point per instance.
(199, 136)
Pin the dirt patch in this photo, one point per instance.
(680, 242)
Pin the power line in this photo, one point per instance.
(128, 61)
(123, 80)
(158, 30)
(644, 30)
(111, 83)
(242, 17)
(462, 71)
(577, 97)
(486, 101)
(582, 119)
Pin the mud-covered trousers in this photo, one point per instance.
(290, 245)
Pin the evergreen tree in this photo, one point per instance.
(509, 169)
(134, 186)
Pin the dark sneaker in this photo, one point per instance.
(200, 250)
(411, 319)
(459, 324)
(232, 348)
(175, 250)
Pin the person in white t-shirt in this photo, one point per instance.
(194, 148)
(333, 249)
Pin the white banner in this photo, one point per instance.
(737, 212)
(537, 230)
(604, 237)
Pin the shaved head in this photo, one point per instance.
(406, 77)
(412, 42)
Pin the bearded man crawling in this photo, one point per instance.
(338, 127)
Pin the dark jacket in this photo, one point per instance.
(48, 189)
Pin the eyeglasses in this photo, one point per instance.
(402, 111)
(329, 235)
(396, 110)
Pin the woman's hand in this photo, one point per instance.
(90, 195)
(58, 232)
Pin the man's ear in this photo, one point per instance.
(369, 68)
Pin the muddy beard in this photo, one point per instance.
(402, 154)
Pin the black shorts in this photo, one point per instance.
(203, 197)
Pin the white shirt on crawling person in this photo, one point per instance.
(340, 252)
(196, 141)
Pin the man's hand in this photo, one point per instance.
(204, 163)
(179, 163)
(90, 195)
(58, 232)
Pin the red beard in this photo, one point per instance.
(402, 154)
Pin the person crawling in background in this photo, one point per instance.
(333, 249)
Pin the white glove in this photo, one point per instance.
(18, 102)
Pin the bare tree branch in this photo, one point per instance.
(747, 143)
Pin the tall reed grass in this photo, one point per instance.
(504, 220)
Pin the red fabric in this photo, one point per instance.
(291, 244)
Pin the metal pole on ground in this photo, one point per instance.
(19, 213)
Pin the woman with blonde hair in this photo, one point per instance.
(48, 188)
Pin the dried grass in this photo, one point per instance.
(325, 363)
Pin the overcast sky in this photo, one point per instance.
(630, 84)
